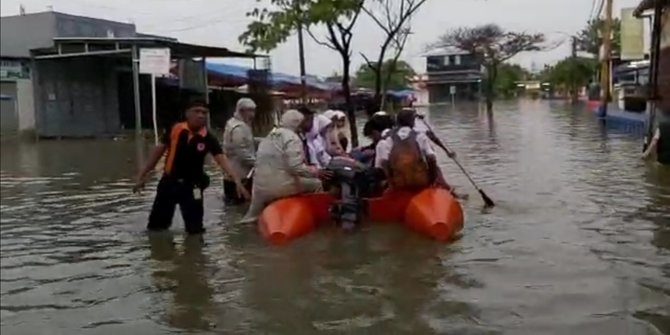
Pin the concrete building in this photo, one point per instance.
(18, 36)
(452, 70)
(73, 76)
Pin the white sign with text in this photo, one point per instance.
(155, 61)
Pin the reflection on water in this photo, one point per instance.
(578, 244)
(182, 272)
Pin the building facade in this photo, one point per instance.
(22, 97)
(17, 112)
(453, 72)
(71, 76)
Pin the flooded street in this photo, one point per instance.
(579, 243)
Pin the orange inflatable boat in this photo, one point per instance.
(433, 212)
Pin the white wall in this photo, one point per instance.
(26, 105)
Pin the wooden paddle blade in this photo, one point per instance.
(487, 200)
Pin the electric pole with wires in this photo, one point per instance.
(301, 56)
(606, 59)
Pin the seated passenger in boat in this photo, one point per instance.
(407, 156)
(321, 143)
(281, 169)
(341, 129)
(332, 135)
(375, 128)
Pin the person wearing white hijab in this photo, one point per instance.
(341, 128)
(317, 142)
(238, 145)
(280, 169)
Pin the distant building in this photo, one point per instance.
(453, 71)
(71, 76)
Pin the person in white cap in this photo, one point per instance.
(238, 145)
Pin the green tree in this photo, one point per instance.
(399, 74)
(273, 26)
(508, 77)
(571, 74)
(590, 38)
(492, 45)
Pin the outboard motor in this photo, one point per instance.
(354, 181)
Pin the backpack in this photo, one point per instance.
(408, 168)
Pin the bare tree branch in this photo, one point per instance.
(318, 41)
(392, 17)
(367, 61)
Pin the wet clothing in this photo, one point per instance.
(186, 151)
(280, 171)
(383, 149)
(188, 196)
(404, 152)
(239, 147)
(184, 178)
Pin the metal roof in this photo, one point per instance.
(178, 49)
(240, 72)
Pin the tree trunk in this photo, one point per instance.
(385, 84)
(346, 91)
(378, 91)
(492, 74)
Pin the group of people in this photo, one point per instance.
(307, 152)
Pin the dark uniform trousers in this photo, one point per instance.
(187, 195)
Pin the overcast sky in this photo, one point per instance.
(220, 22)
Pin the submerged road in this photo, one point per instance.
(579, 243)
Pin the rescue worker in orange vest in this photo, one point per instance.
(407, 157)
(184, 178)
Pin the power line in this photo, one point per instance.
(204, 24)
(600, 9)
(592, 11)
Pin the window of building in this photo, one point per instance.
(446, 60)
(457, 59)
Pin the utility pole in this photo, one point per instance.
(303, 74)
(574, 94)
(607, 58)
(301, 51)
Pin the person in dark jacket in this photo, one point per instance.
(184, 178)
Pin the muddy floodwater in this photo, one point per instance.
(578, 244)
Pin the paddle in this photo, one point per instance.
(487, 200)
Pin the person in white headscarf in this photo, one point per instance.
(341, 128)
(333, 146)
(321, 143)
(280, 169)
(238, 145)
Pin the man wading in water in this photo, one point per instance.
(184, 178)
